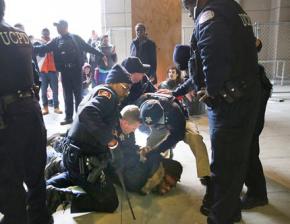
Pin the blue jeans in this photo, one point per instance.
(51, 79)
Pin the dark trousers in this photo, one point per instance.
(22, 159)
(100, 196)
(231, 130)
(255, 179)
(51, 79)
(72, 89)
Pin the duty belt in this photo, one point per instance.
(20, 94)
(5, 100)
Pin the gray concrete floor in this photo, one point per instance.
(182, 205)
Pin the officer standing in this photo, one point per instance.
(68, 56)
(86, 149)
(255, 181)
(225, 72)
(22, 132)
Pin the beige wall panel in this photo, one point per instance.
(162, 19)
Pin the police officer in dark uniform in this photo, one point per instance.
(22, 132)
(86, 149)
(68, 56)
(225, 72)
(255, 182)
(141, 82)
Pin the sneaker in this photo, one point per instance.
(45, 110)
(57, 110)
(53, 167)
(57, 196)
(66, 121)
(252, 202)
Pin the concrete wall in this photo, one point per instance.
(116, 20)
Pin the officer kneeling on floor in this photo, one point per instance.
(87, 146)
(155, 174)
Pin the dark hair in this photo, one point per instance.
(178, 79)
(172, 168)
(2, 9)
(45, 30)
(140, 25)
(104, 36)
(259, 45)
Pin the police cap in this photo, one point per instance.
(181, 56)
(151, 112)
(118, 74)
(134, 65)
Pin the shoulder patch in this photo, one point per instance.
(105, 93)
(205, 16)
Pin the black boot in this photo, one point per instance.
(57, 196)
(249, 202)
(207, 200)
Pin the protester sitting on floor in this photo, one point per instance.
(173, 80)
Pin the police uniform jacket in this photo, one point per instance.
(174, 120)
(15, 60)
(98, 113)
(68, 50)
(225, 43)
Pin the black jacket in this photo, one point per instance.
(97, 117)
(68, 49)
(15, 60)
(146, 51)
(175, 120)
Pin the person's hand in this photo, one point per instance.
(202, 95)
(143, 151)
(165, 91)
(113, 50)
(105, 60)
(113, 144)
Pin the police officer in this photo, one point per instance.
(255, 182)
(156, 173)
(166, 118)
(22, 132)
(86, 148)
(141, 82)
(225, 72)
(68, 56)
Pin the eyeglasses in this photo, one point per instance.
(125, 87)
